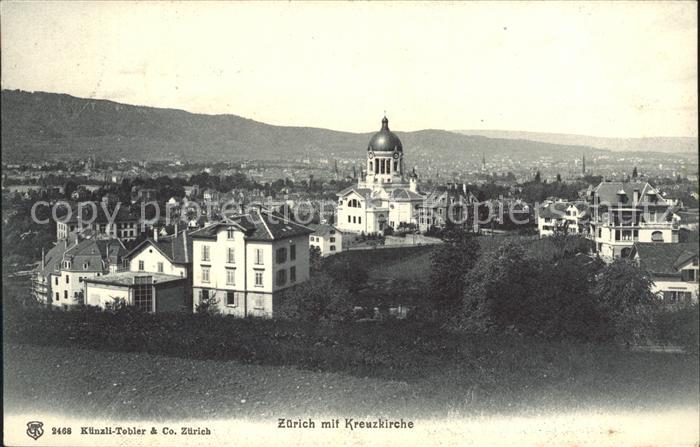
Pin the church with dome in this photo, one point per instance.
(387, 196)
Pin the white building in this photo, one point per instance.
(61, 277)
(386, 196)
(623, 213)
(327, 238)
(243, 263)
(674, 269)
(571, 217)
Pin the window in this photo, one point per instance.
(205, 274)
(332, 248)
(204, 294)
(258, 256)
(281, 255)
(67, 279)
(230, 234)
(230, 298)
(332, 239)
(160, 267)
(688, 275)
(292, 252)
(141, 266)
(259, 303)
(657, 236)
(205, 253)
(349, 219)
(354, 219)
(56, 278)
(359, 220)
(143, 293)
(292, 274)
(80, 279)
(231, 277)
(231, 256)
(258, 279)
(58, 296)
(281, 277)
(65, 294)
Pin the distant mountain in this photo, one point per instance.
(653, 144)
(41, 126)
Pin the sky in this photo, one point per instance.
(614, 69)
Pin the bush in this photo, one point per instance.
(316, 300)
(679, 326)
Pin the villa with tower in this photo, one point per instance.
(387, 196)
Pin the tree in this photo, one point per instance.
(538, 177)
(634, 173)
(624, 294)
(449, 264)
(622, 286)
(511, 290)
(69, 188)
(315, 259)
(558, 178)
(317, 300)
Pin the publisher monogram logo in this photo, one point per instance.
(35, 429)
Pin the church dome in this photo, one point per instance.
(385, 140)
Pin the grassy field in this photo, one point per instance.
(89, 383)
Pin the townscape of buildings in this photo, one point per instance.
(239, 259)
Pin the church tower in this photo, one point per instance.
(385, 163)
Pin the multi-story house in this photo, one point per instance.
(455, 204)
(119, 222)
(571, 217)
(157, 276)
(674, 269)
(327, 238)
(623, 213)
(242, 264)
(59, 280)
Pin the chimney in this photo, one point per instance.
(155, 234)
(635, 196)
(184, 243)
(464, 188)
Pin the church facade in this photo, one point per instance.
(387, 196)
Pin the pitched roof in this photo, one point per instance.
(554, 210)
(401, 194)
(177, 248)
(665, 259)
(608, 192)
(259, 225)
(86, 254)
(324, 229)
(364, 192)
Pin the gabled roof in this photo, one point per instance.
(324, 229)
(259, 225)
(555, 210)
(558, 210)
(403, 194)
(364, 192)
(665, 259)
(176, 248)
